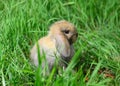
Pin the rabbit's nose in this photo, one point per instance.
(70, 41)
(73, 38)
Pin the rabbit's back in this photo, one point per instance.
(47, 44)
(47, 47)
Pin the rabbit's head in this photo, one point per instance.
(65, 35)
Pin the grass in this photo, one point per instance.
(97, 57)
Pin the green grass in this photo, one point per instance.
(23, 22)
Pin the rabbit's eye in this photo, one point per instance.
(66, 31)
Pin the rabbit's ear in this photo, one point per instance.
(62, 45)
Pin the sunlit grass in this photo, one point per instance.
(23, 22)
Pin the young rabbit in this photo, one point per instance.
(58, 43)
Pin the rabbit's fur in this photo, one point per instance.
(58, 43)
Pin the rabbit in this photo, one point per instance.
(58, 42)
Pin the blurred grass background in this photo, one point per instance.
(23, 22)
